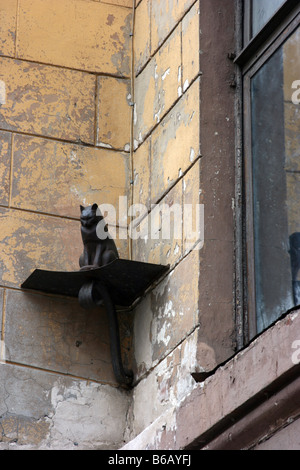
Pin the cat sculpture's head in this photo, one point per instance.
(90, 216)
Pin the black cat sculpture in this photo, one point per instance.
(97, 252)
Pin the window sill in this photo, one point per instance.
(237, 391)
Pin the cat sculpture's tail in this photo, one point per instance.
(96, 293)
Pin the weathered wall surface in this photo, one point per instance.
(166, 165)
(64, 92)
(49, 411)
(65, 140)
(250, 402)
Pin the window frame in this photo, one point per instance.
(251, 59)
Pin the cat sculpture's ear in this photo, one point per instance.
(81, 208)
(94, 207)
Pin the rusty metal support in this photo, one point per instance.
(95, 293)
(120, 283)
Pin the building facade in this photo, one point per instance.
(180, 118)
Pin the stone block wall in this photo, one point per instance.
(79, 124)
(166, 164)
(183, 155)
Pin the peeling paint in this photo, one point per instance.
(103, 144)
(166, 73)
(134, 114)
(165, 15)
(156, 87)
(294, 316)
(192, 154)
(179, 74)
(2, 92)
(35, 103)
(110, 20)
(172, 142)
(185, 85)
(162, 337)
(157, 116)
(75, 170)
(68, 414)
(113, 112)
(46, 30)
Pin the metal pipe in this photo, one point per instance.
(95, 293)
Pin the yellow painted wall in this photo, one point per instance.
(166, 163)
(66, 127)
(64, 141)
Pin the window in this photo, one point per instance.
(260, 13)
(270, 63)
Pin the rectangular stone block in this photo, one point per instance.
(190, 45)
(179, 363)
(57, 334)
(174, 305)
(77, 34)
(45, 100)
(5, 158)
(149, 391)
(41, 410)
(114, 113)
(29, 241)
(158, 86)
(175, 142)
(165, 15)
(160, 233)
(56, 177)
(167, 315)
(8, 21)
(174, 377)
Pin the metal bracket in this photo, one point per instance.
(119, 283)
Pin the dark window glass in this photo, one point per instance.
(262, 10)
(275, 122)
